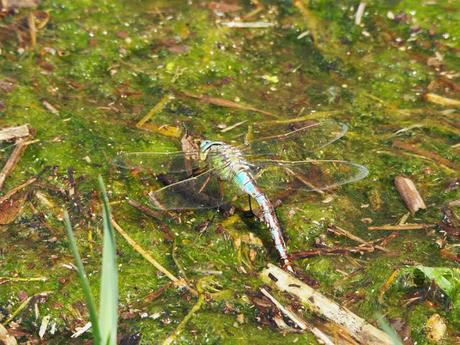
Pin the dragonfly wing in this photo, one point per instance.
(274, 177)
(198, 192)
(293, 141)
(157, 162)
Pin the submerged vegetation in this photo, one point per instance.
(82, 81)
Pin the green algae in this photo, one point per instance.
(118, 60)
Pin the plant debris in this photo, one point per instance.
(409, 194)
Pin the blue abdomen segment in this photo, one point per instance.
(246, 183)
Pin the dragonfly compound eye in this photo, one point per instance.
(205, 145)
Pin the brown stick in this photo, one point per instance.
(17, 189)
(302, 254)
(296, 319)
(222, 102)
(437, 99)
(359, 328)
(402, 227)
(426, 154)
(409, 194)
(178, 281)
(13, 160)
(385, 240)
(339, 231)
(32, 29)
(144, 209)
(447, 254)
(10, 133)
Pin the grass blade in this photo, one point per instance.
(108, 308)
(84, 280)
(388, 329)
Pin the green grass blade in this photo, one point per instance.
(108, 308)
(388, 329)
(84, 281)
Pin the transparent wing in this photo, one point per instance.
(198, 192)
(274, 177)
(292, 141)
(157, 162)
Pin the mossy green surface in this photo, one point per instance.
(104, 64)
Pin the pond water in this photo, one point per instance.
(89, 71)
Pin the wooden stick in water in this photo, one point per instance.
(146, 210)
(13, 160)
(297, 320)
(16, 189)
(359, 329)
(293, 317)
(149, 258)
(409, 194)
(402, 227)
(339, 231)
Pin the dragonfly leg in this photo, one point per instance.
(205, 183)
(249, 202)
(221, 188)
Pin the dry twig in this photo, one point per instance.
(222, 102)
(302, 254)
(387, 285)
(16, 189)
(149, 258)
(293, 317)
(21, 145)
(360, 329)
(32, 29)
(425, 154)
(437, 99)
(339, 231)
(297, 320)
(146, 210)
(390, 227)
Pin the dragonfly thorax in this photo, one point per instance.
(226, 160)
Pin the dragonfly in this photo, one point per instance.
(271, 160)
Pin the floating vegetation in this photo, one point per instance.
(87, 90)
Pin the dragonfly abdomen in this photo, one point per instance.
(246, 182)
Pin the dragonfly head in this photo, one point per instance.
(205, 146)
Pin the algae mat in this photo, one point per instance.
(83, 74)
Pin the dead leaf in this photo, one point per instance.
(436, 328)
(166, 130)
(7, 85)
(10, 208)
(178, 49)
(5, 337)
